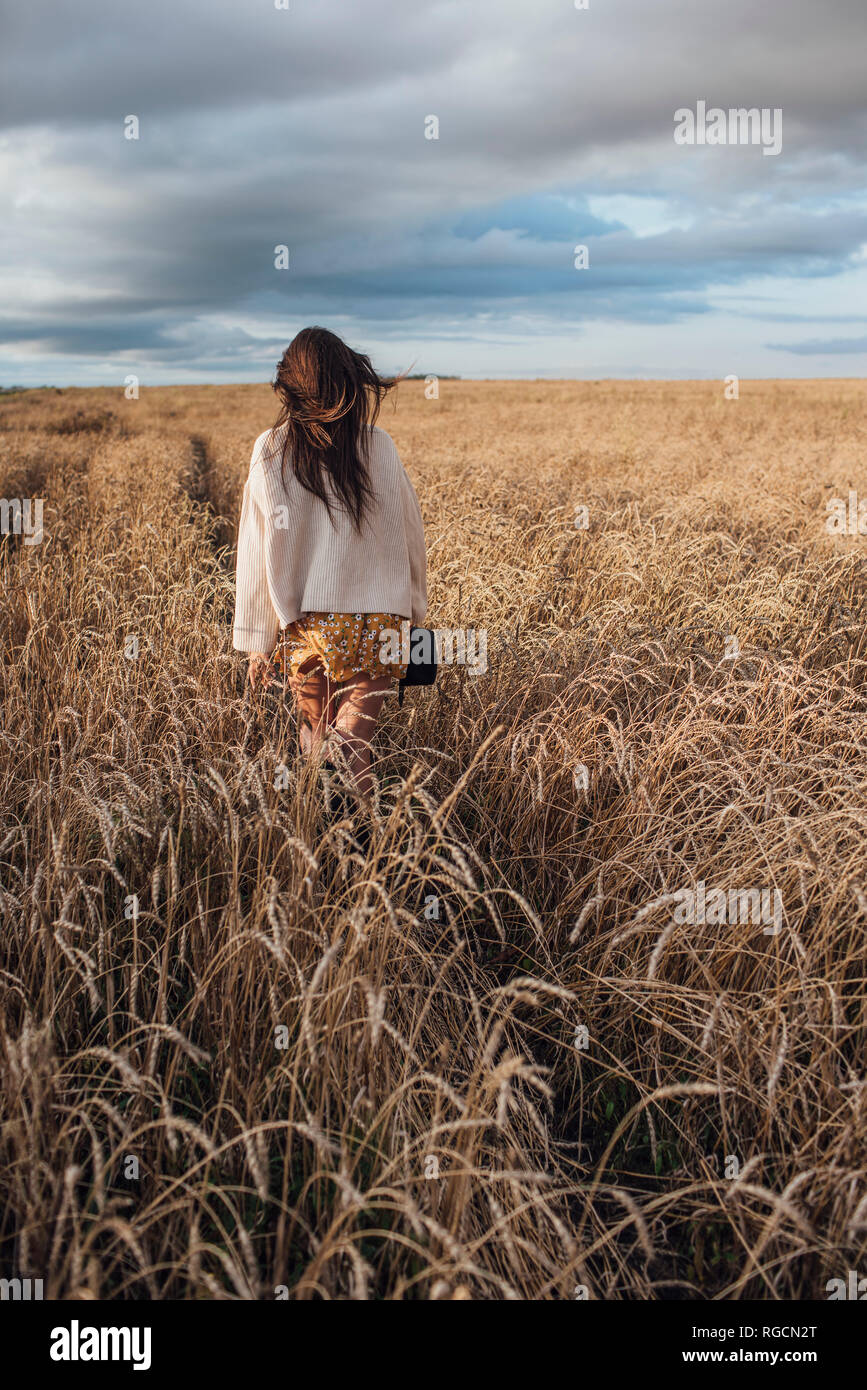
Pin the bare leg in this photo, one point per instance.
(355, 722)
(316, 701)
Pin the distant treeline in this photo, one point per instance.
(423, 376)
(17, 390)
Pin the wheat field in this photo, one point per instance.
(245, 1056)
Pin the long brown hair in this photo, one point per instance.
(329, 394)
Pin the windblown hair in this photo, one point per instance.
(330, 395)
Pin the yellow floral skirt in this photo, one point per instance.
(345, 645)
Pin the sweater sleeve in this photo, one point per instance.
(256, 623)
(414, 529)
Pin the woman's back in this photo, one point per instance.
(298, 555)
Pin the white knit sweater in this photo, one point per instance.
(292, 559)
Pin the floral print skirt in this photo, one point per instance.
(345, 645)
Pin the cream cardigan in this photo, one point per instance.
(292, 559)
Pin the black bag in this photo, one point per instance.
(422, 668)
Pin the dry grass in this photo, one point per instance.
(409, 1042)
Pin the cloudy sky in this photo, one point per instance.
(306, 127)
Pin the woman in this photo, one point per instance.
(331, 550)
